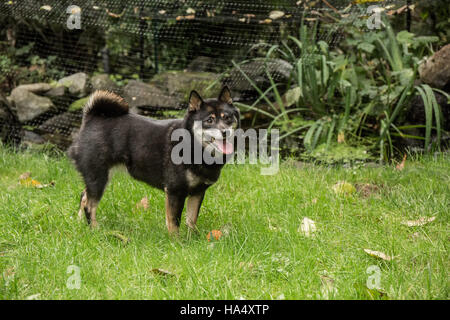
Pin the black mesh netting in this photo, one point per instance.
(151, 52)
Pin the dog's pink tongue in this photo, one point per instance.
(225, 147)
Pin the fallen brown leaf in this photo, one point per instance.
(25, 175)
(9, 272)
(118, 235)
(327, 285)
(26, 180)
(33, 297)
(246, 265)
(419, 222)
(226, 229)
(307, 227)
(401, 165)
(344, 188)
(366, 189)
(143, 204)
(214, 235)
(378, 254)
(163, 272)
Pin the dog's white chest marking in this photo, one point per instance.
(194, 180)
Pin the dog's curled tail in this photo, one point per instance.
(105, 104)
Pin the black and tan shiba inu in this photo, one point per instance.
(110, 135)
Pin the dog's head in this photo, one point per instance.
(214, 121)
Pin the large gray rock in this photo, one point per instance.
(36, 87)
(29, 105)
(201, 63)
(181, 83)
(139, 94)
(58, 91)
(103, 82)
(63, 123)
(61, 129)
(30, 138)
(76, 83)
(255, 70)
(436, 70)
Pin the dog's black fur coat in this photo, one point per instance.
(110, 136)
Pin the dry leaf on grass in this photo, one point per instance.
(118, 235)
(415, 235)
(39, 185)
(273, 228)
(25, 176)
(307, 227)
(281, 297)
(246, 265)
(33, 297)
(401, 165)
(214, 235)
(143, 204)
(9, 272)
(26, 180)
(163, 272)
(376, 294)
(344, 188)
(328, 286)
(366, 189)
(419, 222)
(378, 254)
(226, 229)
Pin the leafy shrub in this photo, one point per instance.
(357, 98)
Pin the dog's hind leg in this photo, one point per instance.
(95, 186)
(90, 211)
(83, 204)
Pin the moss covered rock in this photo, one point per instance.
(181, 83)
(78, 104)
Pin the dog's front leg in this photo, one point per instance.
(193, 205)
(174, 208)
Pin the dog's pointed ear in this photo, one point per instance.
(195, 101)
(225, 95)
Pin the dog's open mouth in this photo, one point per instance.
(223, 146)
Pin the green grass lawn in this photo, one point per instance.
(264, 256)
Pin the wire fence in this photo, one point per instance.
(151, 52)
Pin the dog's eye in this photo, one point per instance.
(210, 120)
(226, 117)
